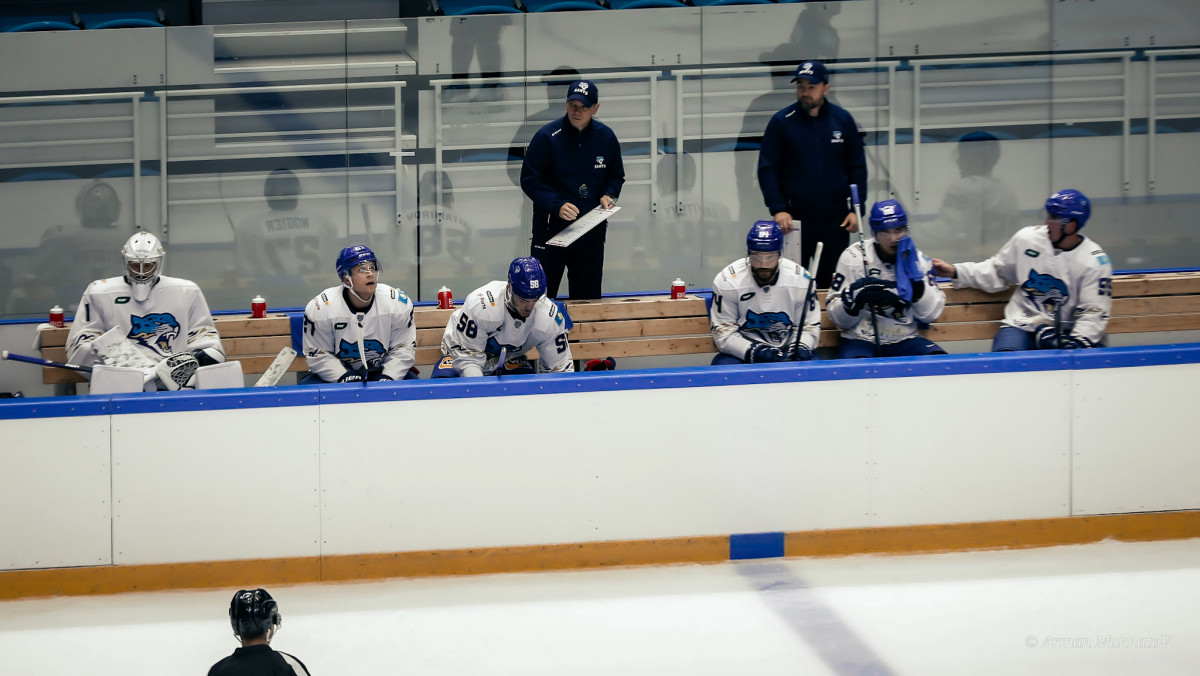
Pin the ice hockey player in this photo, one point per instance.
(758, 301)
(361, 330)
(888, 277)
(501, 321)
(145, 320)
(1065, 281)
(255, 618)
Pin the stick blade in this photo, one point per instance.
(278, 367)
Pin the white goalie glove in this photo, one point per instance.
(178, 371)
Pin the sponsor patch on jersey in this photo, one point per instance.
(747, 296)
(1032, 253)
(324, 299)
(121, 300)
(837, 137)
(1102, 258)
(446, 362)
(556, 133)
(339, 326)
(874, 272)
(491, 299)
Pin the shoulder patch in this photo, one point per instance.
(400, 295)
(1102, 258)
(491, 299)
(1032, 253)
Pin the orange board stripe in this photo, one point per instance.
(892, 540)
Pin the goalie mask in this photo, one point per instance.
(253, 613)
(143, 263)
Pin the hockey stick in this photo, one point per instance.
(858, 213)
(367, 222)
(812, 280)
(500, 364)
(278, 367)
(5, 354)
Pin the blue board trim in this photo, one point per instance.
(755, 546)
(604, 381)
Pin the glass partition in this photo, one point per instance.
(285, 142)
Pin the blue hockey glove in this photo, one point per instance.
(858, 294)
(801, 353)
(1045, 338)
(760, 353)
(351, 377)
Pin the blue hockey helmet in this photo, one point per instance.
(526, 278)
(352, 256)
(1069, 205)
(886, 215)
(253, 613)
(764, 236)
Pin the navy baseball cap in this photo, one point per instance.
(812, 71)
(584, 91)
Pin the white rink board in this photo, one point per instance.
(54, 494)
(634, 464)
(215, 485)
(1135, 442)
(970, 448)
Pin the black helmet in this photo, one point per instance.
(253, 613)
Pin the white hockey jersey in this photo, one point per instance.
(174, 318)
(742, 311)
(894, 326)
(482, 325)
(1079, 279)
(332, 331)
(284, 242)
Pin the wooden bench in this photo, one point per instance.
(656, 326)
(253, 342)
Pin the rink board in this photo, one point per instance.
(345, 481)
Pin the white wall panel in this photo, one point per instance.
(215, 485)
(970, 447)
(54, 492)
(1134, 439)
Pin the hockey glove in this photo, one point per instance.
(760, 353)
(801, 353)
(858, 294)
(1045, 338)
(606, 364)
(383, 376)
(351, 377)
(177, 371)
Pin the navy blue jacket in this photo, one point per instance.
(807, 163)
(563, 165)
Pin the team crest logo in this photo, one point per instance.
(600, 163)
(837, 137)
(155, 330)
(773, 326)
(1046, 291)
(348, 353)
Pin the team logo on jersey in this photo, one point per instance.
(1032, 253)
(837, 137)
(1046, 291)
(774, 326)
(155, 330)
(348, 352)
(746, 296)
(600, 163)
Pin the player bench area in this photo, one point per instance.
(659, 326)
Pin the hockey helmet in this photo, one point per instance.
(1069, 205)
(352, 256)
(97, 205)
(143, 255)
(253, 613)
(765, 236)
(282, 190)
(887, 215)
(526, 278)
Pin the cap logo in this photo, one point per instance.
(889, 210)
(581, 89)
(806, 69)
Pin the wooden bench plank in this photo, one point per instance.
(643, 347)
(672, 326)
(640, 307)
(431, 317)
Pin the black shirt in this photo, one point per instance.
(258, 660)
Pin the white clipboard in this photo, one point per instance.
(581, 226)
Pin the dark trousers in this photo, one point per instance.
(583, 261)
(836, 240)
